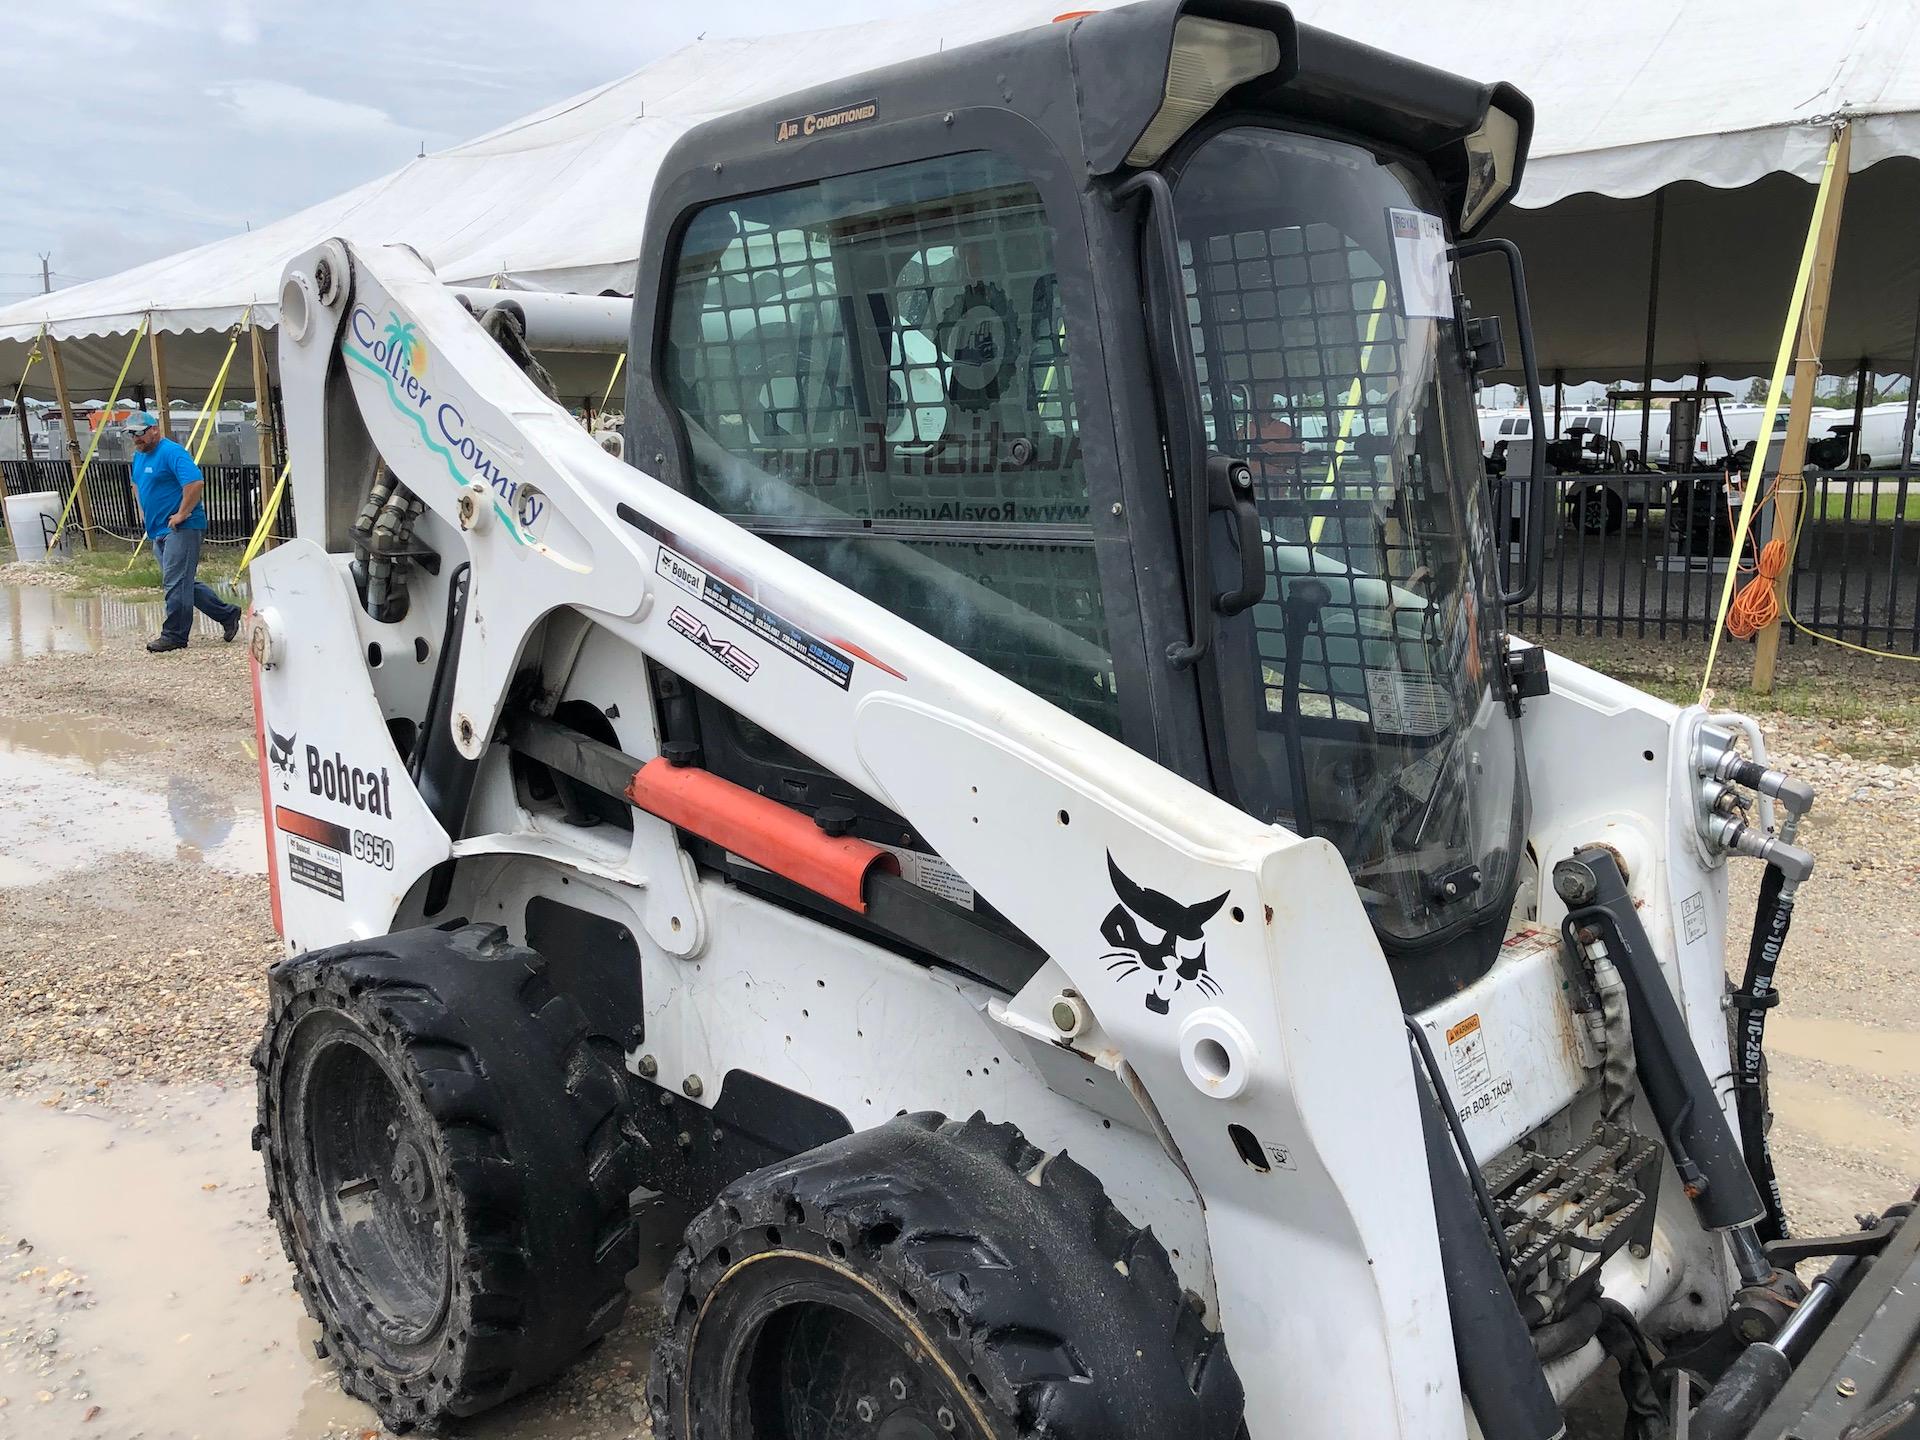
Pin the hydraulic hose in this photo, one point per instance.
(1757, 995)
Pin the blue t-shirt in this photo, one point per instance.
(162, 478)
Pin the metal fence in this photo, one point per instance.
(1647, 556)
(233, 497)
(1639, 555)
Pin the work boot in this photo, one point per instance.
(161, 644)
(230, 628)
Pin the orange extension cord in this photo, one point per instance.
(1755, 607)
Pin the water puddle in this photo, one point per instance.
(140, 1277)
(70, 807)
(1842, 1042)
(143, 1295)
(35, 620)
(86, 738)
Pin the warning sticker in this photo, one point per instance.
(314, 851)
(1467, 1053)
(1693, 917)
(810, 650)
(932, 873)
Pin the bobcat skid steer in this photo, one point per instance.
(1016, 801)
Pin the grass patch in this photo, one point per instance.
(1883, 509)
(113, 565)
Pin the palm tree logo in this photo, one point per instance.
(402, 341)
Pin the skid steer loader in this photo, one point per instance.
(1016, 800)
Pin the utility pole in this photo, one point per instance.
(46, 275)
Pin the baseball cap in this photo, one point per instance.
(139, 421)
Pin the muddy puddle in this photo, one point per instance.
(35, 620)
(76, 793)
(1842, 1042)
(143, 1292)
(137, 1279)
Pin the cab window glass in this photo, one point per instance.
(874, 371)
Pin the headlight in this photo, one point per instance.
(1491, 151)
(1209, 58)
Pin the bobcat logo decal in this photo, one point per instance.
(1154, 934)
(281, 750)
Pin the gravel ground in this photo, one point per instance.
(132, 987)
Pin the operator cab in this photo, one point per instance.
(987, 336)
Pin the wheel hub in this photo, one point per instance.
(410, 1174)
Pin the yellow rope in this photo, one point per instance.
(611, 379)
(1355, 393)
(1808, 630)
(32, 355)
(1788, 338)
(266, 522)
(80, 479)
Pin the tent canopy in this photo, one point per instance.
(1724, 106)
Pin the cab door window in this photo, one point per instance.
(874, 372)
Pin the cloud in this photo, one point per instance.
(274, 104)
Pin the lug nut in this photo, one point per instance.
(865, 1409)
(944, 1417)
(897, 1387)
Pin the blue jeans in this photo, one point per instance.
(178, 552)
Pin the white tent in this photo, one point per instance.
(1699, 120)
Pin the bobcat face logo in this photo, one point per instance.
(1155, 935)
(280, 752)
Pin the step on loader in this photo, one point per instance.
(1015, 800)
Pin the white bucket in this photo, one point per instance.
(30, 520)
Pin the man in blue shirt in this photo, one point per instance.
(169, 485)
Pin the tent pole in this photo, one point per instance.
(1859, 415)
(1653, 318)
(1559, 394)
(26, 432)
(262, 413)
(1913, 392)
(59, 371)
(162, 402)
(1790, 485)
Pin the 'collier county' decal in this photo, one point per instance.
(1155, 935)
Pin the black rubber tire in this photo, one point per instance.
(1598, 511)
(1002, 1278)
(506, 1128)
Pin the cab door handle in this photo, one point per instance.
(1230, 492)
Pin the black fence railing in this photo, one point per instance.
(1647, 555)
(1639, 555)
(233, 497)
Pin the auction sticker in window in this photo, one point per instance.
(315, 848)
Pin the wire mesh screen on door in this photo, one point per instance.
(874, 372)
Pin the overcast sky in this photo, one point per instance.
(137, 128)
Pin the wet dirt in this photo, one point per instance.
(65, 813)
(143, 1292)
(40, 620)
(134, 936)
